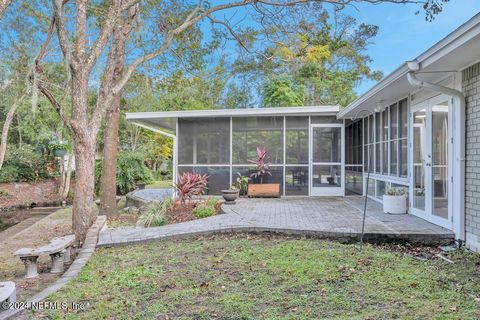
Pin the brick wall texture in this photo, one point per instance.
(471, 90)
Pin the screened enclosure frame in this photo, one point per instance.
(294, 175)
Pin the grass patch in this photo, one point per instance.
(260, 277)
(160, 184)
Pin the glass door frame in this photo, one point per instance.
(428, 213)
(326, 191)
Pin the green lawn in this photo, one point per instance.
(259, 277)
(160, 184)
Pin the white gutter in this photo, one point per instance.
(458, 172)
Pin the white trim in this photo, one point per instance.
(311, 110)
(455, 39)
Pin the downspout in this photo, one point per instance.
(458, 169)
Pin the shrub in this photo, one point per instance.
(155, 213)
(8, 174)
(190, 184)
(130, 169)
(24, 164)
(205, 209)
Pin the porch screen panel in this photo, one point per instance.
(204, 141)
(354, 159)
(276, 177)
(296, 145)
(252, 132)
(219, 177)
(297, 140)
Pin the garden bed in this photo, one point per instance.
(176, 214)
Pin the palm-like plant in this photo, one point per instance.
(263, 167)
(190, 184)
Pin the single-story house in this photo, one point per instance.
(417, 128)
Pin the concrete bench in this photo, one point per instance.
(58, 249)
(8, 293)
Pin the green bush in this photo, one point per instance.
(205, 209)
(8, 174)
(24, 165)
(155, 213)
(130, 169)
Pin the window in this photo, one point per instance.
(403, 137)
(388, 146)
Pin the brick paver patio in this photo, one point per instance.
(332, 218)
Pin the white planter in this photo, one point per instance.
(395, 204)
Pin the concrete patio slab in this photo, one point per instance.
(337, 218)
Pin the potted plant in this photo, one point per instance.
(59, 149)
(395, 201)
(263, 169)
(242, 183)
(230, 195)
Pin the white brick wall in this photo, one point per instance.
(471, 89)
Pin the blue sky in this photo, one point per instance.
(404, 35)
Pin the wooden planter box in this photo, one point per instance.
(265, 190)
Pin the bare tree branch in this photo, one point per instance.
(3, 6)
(55, 104)
(105, 33)
(61, 32)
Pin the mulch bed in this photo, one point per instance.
(183, 212)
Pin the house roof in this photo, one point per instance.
(453, 53)
(165, 122)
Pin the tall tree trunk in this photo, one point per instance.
(6, 128)
(84, 144)
(83, 211)
(108, 181)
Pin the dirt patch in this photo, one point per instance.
(26, 194)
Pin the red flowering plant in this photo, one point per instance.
(190, 184)
(263, 166)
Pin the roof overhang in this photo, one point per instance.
(454, 53)
(165, 122)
